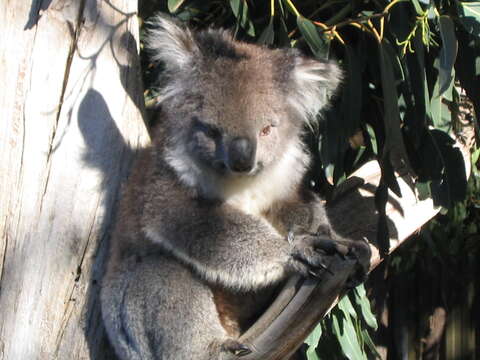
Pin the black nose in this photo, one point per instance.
(241, 154)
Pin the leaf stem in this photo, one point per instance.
(294, 9)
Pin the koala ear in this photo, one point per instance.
(170, 42)
(313, 78)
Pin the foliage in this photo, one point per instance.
(439, 272)
(343, 333)
(405, 63)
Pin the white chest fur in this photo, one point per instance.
(256, 194)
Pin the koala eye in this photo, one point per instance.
(209, 130)
(212, 132)
(266, 130)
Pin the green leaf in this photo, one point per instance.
(441, 114)
(394, 145)
(282, 34)
(312, 342)
(240, 10)
(174, 5)
(452, 186)
(309, 31)
(423, 189)
(268, 34)
(370, 344)
(475, 156)
(373, 138)
(469, 15)
(352, 92)
(361, 299)
(416, 93)
(346, 306)
(344, 330)
(448, 52)
(418, 8)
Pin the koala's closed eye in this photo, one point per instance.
(209, 130)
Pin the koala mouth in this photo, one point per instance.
(224, 170)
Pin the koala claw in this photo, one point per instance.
(236, 348)
(360, 252)
(311, 254)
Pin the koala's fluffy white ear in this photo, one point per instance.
(170, 42)
(314, 78)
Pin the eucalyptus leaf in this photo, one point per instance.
(373, 138)
(174, 5)
(312, 342)
(346, 306)
(352, 92)
(268, 34)
(448, 53)
(344, 330)
(309, 31)
(370, 344)
(362, 300)
(394, 145)
(452, 186)
(418, 8)
(441, 114)
(240, 10)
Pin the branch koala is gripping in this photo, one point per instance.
(214, 216)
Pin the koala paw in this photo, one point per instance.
(359, 251)
(236, 348)
(311, 254)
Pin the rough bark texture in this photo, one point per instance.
(71, 121)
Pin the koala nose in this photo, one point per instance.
(241, 154)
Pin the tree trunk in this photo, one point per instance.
(71, 109)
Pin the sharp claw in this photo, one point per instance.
(242, 351)
(317, 273)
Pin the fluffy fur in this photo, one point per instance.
(199, 245)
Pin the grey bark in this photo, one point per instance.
(71, 123)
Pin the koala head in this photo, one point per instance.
(231, 109)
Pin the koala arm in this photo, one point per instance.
(223, 245)
(304, 213)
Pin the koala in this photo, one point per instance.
(214, 216)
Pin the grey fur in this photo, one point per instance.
(198, 248)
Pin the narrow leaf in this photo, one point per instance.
(312, 342)
(448, 52)
(346, 306)
(394, 145)
(362, 300)
(310, 33)
(240, 10)
(347, 337)
(268, 34)
(174, 5)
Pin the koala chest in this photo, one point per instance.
(250, 202)
(257, 196)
